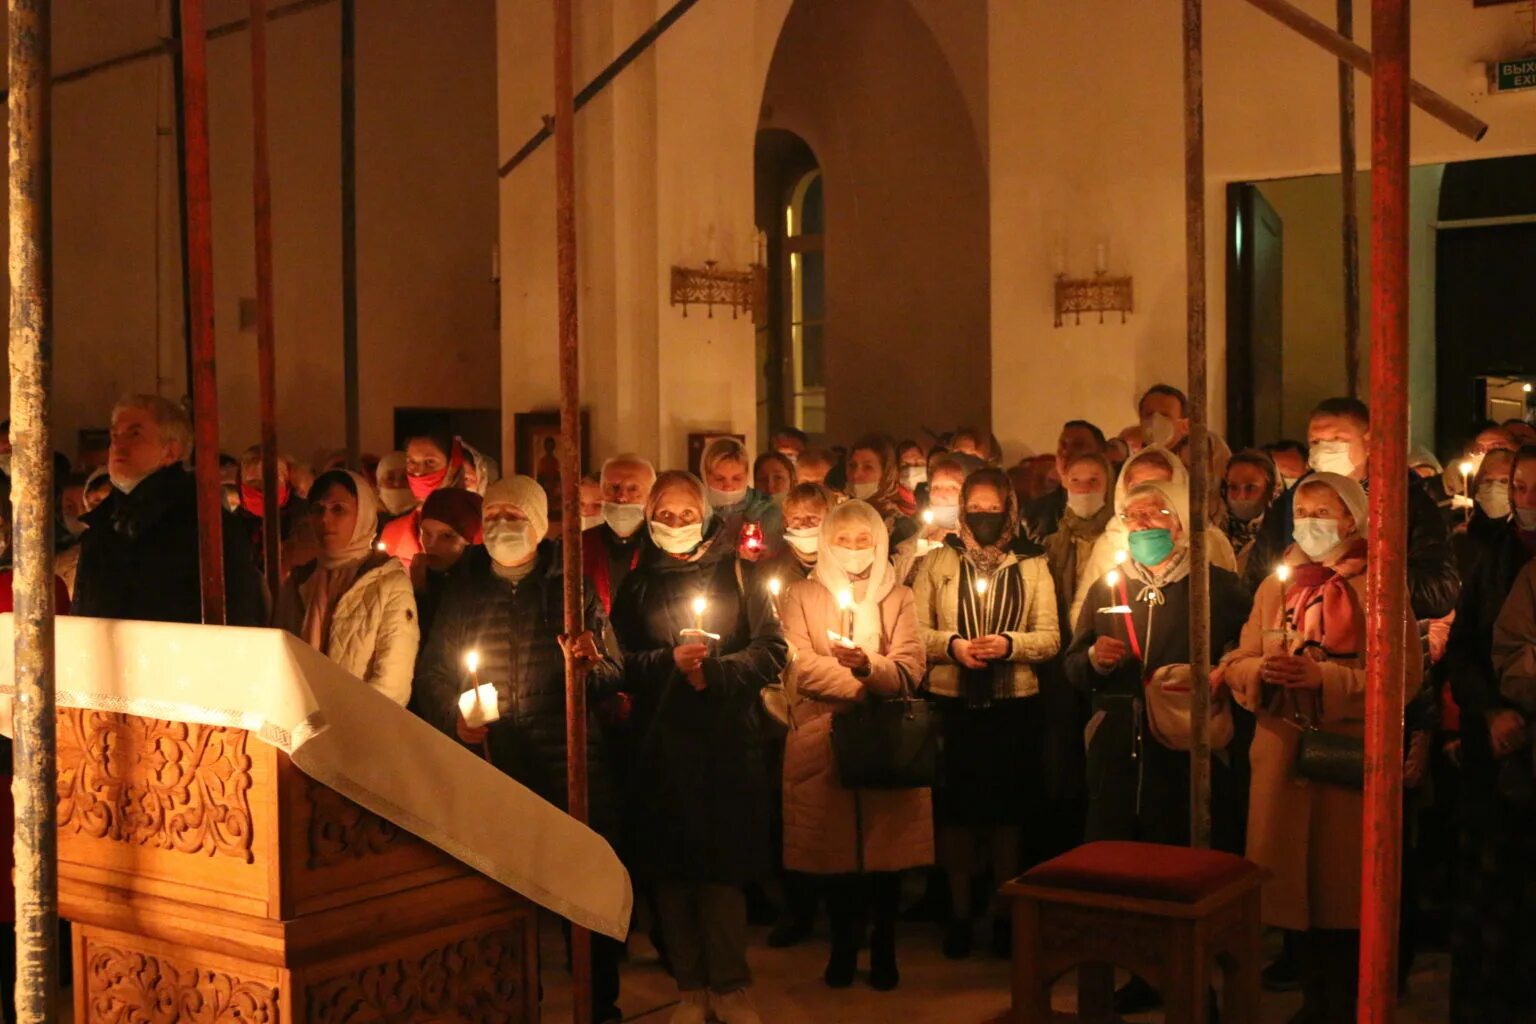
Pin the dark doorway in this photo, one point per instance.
(1255, 305)
(480, 427)
(790, 353)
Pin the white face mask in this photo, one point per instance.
(863, 492)
(1246, 510)
(74, 526)
(912, 476)
(945, 517)
(510, 541)
(726, 499)
(587, 522)
(1527, 518)
(1316, 537)
(854, 563)
(804, 541)
(126, 484)
(1084, 506)
(1332, 457)
(1493, 497)
(677, 540)
(1158, 429)
(623, 520)
(397, 501)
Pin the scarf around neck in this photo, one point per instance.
(335, 573)
(1320, 606)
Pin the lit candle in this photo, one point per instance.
(1283, 573)
(928, 518)
(986, 604)
(381, 546)
(1120, 557)
(699, 604)
(775, 588)
(845, 605)
(1466, 484)
(472, 662)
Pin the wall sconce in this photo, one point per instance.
(1097, 294)
(744, 291)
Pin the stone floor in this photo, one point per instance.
(933, 990)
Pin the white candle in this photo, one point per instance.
(1466, 485)
(845, 605)
(1283, 573)
(1101, 257)
(699, 606)
(982, 590)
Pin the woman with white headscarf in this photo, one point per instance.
(1302, 660)
(701, 639)
(861, 838)
(353, 603)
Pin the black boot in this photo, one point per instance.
(847, 933)
(883, 975)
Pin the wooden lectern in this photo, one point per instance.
(211, 882)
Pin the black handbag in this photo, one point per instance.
(1331, 758)
(890, 743)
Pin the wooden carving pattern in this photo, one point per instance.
(127, 987)
(477, 981)
(163, 785)
(340, 830)
(1127, 940)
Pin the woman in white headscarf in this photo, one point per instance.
(861, 838)
(354, 603)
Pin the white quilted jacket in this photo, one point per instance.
(374, 633)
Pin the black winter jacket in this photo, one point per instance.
(516, 631)
(140, 559)
(701, 789)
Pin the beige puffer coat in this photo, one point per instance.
(374, 632)
(829, 829)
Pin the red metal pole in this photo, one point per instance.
(1199, 462)
(266, 359)
(197, 223)
(570, 470)
(1351, 224)
(1386, 600)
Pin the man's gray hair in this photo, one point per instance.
(629, 459)
(175, 426)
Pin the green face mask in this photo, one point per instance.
(1151, 547)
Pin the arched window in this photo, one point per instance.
(806, 298)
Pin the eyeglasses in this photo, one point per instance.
(1146, 520)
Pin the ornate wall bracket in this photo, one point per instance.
(744, 291)
(1097, 294)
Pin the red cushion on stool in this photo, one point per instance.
(1147, 871)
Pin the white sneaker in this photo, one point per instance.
(692, 1008)
(734, 1008)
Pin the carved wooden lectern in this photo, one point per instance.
(211, 882)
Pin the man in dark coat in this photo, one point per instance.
(505, 603)
(1041, 515)
(1338, 436)
(140, 559)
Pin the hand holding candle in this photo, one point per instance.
(478, 706)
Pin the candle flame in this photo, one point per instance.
(1466, 468)
(927, 517)
(981, 587)
(845, 599)
(774, 586)
(699, 604)
(472, 661)
(1120, 557)
(1113, 579)
(1284, 572)
(382, 546)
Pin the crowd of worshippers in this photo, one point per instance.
(734, 612)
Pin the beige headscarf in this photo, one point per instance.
(524, 493)
(335, 573)
(869, 592)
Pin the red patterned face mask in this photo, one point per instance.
(254, 502)
(423, 486)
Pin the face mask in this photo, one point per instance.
(677, 540)
(1246, 511)
(587, 522)
(126, 484)
(854, 563)
(1151, 547)
(1158, 429)
(397, 501)
(1493, 497)
(1287, 482)
(1316, 537)
(1527, 518)
(912, 476)
(986, 527)
(509, 541)
(792, 456)
(778, 499)
(863, 492)
(804, 541)
(623, 520)
(945, 517)
(1085, 506)
(726, 499)
(74, 526)
(1331, 457)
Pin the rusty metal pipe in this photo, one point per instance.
(1351, 225)
(31, 354)
(1386, 600)
(197, 222)
(350, 396)
(1358, 57)
(570, 470)
(1199, 446)
(266, 358)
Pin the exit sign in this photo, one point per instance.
(1513, 75)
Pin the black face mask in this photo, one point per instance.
(986, 527)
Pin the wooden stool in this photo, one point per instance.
(1168, 913)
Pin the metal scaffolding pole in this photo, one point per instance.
(266, 359)
(349, 231)
(197, 222)
(570, 472)
(1386, 600)
(1199, 446)
(1351, 207)
(35, 786)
